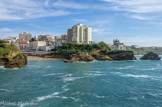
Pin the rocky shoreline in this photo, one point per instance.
(18, 60)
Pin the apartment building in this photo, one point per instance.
(80, 34)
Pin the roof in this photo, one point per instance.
(23, 42)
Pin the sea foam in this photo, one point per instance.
(48, 96)
(53, 74)
(131, 75)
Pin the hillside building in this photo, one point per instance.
(118, 46)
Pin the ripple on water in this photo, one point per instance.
(97, 96)
(131, 75)
(47, 97)
(53, 74)
(5, 90)
(126, 67)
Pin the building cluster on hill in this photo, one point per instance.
(78, 33)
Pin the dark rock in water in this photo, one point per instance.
(127, 55)
(15, 62)
(151, 56)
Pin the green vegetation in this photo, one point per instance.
(18, 55)
(3, 42)
(6, 49)
(76, 48)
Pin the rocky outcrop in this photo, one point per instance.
(150, 56)
(124, 55)
(14, 60)
(102, 57)
(127, 55)
(17, 62)
(87, 58)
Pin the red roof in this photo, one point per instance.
(23, 42)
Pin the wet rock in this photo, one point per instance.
(102, 57)
(87, 58)
(151, 56)
(127, 55)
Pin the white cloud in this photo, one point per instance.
(141, 16)
(5, 30)
(138, 6)
(47, 2)
(73, 5)
(80, 20)
(142, 9)
(27, 9)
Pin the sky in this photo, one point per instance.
(133, 22)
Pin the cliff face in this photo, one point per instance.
(13, 60)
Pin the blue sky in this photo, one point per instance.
(133, 22)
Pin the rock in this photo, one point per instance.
(102, 57)
(150, 56)
(67, 61)
(127, 55)
(16, 62)
(87, 58)
(3, 61)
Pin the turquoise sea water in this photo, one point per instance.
(82, 84)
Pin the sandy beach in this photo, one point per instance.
(41, 58)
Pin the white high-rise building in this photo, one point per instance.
(80, 34)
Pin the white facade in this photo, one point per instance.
(42, 45)
(46, 48)
(80, 34)
(60, 42)
(36, 44)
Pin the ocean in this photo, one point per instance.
(82, 84)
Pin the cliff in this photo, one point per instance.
(13, 60)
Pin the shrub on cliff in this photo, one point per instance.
(6, 49)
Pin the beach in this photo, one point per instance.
(41, 58)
